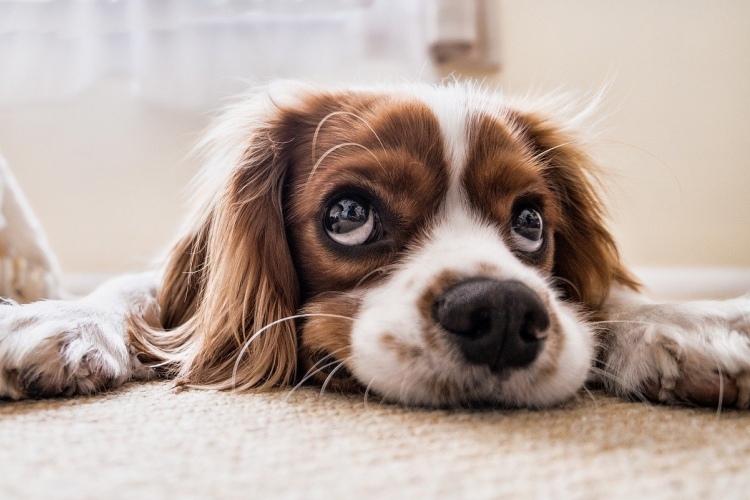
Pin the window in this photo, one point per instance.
(190, 53)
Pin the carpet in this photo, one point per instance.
(151, 441)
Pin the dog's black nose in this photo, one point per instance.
(501, 324)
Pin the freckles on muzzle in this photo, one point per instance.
(500, 324)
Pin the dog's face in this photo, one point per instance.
(438, 244)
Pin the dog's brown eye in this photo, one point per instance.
(528, 230)
(351, 220)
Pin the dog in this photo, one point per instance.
(437, 246)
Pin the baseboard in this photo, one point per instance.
(681, 283)
(672, 283)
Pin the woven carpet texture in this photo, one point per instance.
(152, 441)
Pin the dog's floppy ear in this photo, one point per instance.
(231, 275)
(586, 257)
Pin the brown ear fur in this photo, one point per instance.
(230, 276)
(586, 257)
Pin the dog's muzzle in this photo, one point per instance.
(500, 324)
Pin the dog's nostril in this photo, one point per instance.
(501, 324)
(535, 325)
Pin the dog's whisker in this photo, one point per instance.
(628, 321)
(314, 370)
(308, 376)
(333, 149)
(330, 376)
(255, 335)
(381, 269)
(565, 280)
(402, 392)
(591, 395)
(720, 374)
(328, 355)
(337, 113)
(652, 155)
(538, 156)
(367, 391)
(317, 131)
(721, 390)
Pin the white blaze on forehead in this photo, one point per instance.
(451, 108)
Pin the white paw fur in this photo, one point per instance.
(62, 348)
(695, 352)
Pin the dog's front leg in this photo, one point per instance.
(692, 352)
(66, 347)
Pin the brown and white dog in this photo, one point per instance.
(436, 246)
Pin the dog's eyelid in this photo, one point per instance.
(532, 199)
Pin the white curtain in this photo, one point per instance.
(190, 53)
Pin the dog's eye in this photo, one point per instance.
(352, 220)
(527, 229)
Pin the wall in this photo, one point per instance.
(107, 174)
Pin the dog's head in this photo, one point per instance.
(437, 245)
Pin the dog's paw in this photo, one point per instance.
(60, 348)
(697, 354)
(706, 371)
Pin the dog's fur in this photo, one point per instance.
(260, 292)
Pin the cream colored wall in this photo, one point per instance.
(105, 175)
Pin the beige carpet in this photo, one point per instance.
(148, 441)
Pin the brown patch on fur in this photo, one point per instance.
(549, 362)
(326, 340)
(442, 389)
(709, 389)
(397, 163)
(403, 350)
(499, 173)
(15, 382)
(487, 269)
(24, 323)
(445, 279)
(698, 381)
(432, 335)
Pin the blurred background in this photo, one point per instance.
(101, 100)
